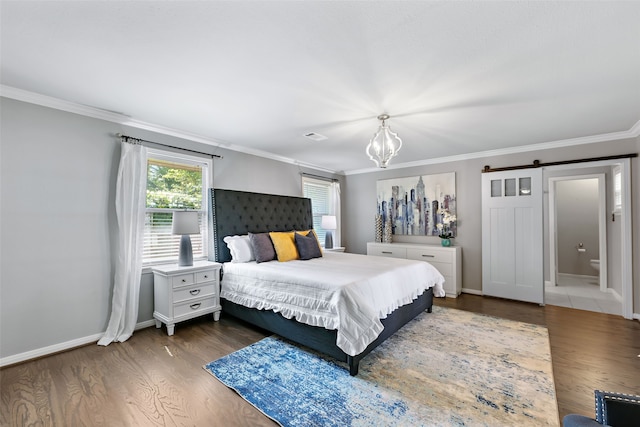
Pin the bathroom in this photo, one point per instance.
(581, 223)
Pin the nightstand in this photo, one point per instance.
(334, 249)
(182, 293)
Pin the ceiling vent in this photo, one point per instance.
(315, 136)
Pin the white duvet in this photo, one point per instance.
(342, 291)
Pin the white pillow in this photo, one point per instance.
(240, 248)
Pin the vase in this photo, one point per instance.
(386, 237)
(379, 228)
(445, 242)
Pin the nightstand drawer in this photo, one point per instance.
(193, 292)
(206, 276)
(430, 255)
(183, 280)
(192, 307)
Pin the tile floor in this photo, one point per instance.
(582, 293)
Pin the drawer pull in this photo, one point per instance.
(184, 281)
(387, 252)
(194, 291)
(428, 256)
(195, 306)
(206, 277)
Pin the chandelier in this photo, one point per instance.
(384, 145)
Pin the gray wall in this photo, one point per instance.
(577, 207)
(58, 224)
(359, 194)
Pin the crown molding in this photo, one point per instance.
(123, 119)
(634, 132)
(85, 110)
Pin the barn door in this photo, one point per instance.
(512, 258)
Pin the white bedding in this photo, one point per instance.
(342, 291)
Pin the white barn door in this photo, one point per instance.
(512, 254)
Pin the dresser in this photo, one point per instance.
(182, 293)
(448, 260)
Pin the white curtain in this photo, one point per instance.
(131, 188)
(335, 197)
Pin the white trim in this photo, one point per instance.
(634, 132)
(63, 346)
(626, 252)
(85, 110)
(471, 291)
(97, 113)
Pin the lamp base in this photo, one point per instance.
(186, 252)
(328, 240)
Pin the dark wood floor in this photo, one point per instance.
(157, 380)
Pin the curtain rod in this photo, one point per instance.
(537, 164)
(127, 138)
(324, 178)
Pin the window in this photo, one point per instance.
(325, 200)
(617, 190)
(174, 182)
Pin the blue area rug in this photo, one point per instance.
(448, 368)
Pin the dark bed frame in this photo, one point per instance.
(238, 213)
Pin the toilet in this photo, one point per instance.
(595, 263)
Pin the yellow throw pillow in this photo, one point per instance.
(285, 245)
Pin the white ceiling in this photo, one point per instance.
(456, 77)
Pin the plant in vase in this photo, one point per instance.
(444, 227)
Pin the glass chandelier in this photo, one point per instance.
(384, 145)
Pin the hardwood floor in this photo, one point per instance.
(157, 380)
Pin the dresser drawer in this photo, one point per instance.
(430, 255)
(193, 307)
(206, 276)
(390, 252)
(444, 268)
(193, 292)
(183, 280)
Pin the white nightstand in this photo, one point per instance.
(182, 293)
(334, 249)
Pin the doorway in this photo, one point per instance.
(578, 245)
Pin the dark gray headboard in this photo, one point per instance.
(239, 212)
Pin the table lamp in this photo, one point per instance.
(185, 223)
(328, 223)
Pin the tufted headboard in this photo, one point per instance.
(239, 212)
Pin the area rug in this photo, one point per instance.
(447, 368)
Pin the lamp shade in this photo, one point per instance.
(328, 222)
(185, 222)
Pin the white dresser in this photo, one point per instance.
(182, 293)
(448, 260)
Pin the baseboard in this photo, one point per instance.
(471, 291)
(615, 294)
(636, 316)
(579, 276)
(64, 346)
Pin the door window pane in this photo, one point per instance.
(496, 188)
(525, 186)
(510, 187)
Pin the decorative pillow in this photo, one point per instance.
(285, 245)
(308, 246)
(240, 248)
(262, 246)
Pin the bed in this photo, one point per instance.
(236, 213)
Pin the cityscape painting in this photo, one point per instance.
(416, 205)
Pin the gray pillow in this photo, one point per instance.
(308, 245)
(262, 246)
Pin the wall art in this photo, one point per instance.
(416, 205)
